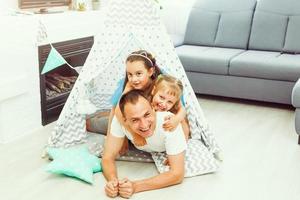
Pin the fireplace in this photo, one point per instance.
(55, 86)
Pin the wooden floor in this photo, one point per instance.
(261, 161)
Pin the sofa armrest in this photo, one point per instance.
(177, 39)
(296, 95)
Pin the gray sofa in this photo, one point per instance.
(296, 104)
(244, 49)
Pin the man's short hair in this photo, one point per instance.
(130, 97)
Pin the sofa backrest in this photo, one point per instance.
(223, 23)
(276, 26)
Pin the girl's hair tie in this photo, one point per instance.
(142, 54)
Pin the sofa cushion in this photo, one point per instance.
(234, 29)
(292, 39)
(266, 65)
(205, 28)
(286, 7)
(211, 60)
(201, 28)
(268, 31)
(225, 5)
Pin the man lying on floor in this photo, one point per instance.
(141, 119)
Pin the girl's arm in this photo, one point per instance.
(172, 121)
(186, 128)
(181, 113)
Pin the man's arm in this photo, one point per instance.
(112, 147)
(111, 115)
(173, 176)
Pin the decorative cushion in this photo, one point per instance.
(202, 28)
(234, 29)
(268, 31)
(292, 39)
(75, 162)
(198, 160)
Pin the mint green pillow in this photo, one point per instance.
(76, 162)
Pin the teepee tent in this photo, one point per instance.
(129, 25)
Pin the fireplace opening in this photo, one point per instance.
(59, 82)
(56, 85)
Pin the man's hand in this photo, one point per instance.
(112, 188)
(126, 188)
(171, 122)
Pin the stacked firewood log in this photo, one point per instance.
(59, 83)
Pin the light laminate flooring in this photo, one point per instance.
(260, 151)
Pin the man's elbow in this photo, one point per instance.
(178, 177)
(106, 160)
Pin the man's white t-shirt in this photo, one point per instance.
(171, 142)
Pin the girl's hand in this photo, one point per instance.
(171, 122)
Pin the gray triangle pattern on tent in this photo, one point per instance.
(131, 25)
(197, 160)
(134, 13)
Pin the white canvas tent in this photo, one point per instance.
(129, 25)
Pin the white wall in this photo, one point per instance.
(5, 5)
(20, 109)
(19, 83)
(175, 14)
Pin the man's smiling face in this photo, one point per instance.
(140, 117)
